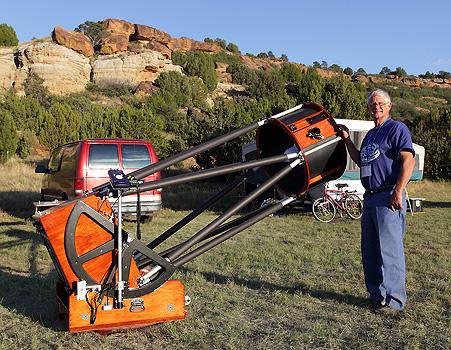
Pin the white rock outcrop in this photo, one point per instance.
(130, 69)
(63, 70)
(7, 69)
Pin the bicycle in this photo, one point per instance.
(325, 208)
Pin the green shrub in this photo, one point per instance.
(27, 143)
(291, 73)
(60, 126)
(34, 87)
(241, 74)
(266, 84)
(8, 136)
(178, 58)
(187, 91)
(202, 65)
(433, 132)
(111, 90)
(224, 57)
(8, 36)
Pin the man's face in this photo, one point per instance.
(378, 108)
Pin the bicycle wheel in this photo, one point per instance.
(353, 206)
(324, 209)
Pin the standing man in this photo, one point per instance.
(386, 161)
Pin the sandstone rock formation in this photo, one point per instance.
(180, 44)
(146, 33)
(207, 47)
(73, 40)
(63, 70)
(113, 44)
(7, 69)
(129, 69)
(119, 27)
(156, 46)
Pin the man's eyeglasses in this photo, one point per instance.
(377, 104)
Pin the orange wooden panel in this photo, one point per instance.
(304, 141)
(164, 304)
(88, 235)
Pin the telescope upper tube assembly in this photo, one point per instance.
(311, 131)
(172, 160)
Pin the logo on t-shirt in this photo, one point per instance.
(370, 152)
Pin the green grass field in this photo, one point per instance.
(288, 282)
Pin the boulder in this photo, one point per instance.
(7, 69)
(206, 47)
(221, 72)
(119, 27)
(377, 80)
(114, 44)
(73, 40)
(145, 88)
(146, 33)
(63, 70)
(412, 82)
(156, 46)
(360, 77)
(180, 44)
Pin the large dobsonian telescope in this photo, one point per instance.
(110, 280)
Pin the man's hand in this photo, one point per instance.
(344, 131)
(396, 200)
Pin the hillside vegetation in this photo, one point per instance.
(188, 109)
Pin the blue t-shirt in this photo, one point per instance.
(380, 152)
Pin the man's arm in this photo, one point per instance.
(407, 164)
(352, 150)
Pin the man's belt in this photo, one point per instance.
(379, 190)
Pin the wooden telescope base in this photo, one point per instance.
(164, 304)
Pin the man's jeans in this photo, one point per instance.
(383, 250)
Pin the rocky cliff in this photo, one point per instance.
(131, 54)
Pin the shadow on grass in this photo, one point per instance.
(300, 287)
(18, 203)
(24, 290)
(438, 205)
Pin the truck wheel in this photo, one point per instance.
(145, 219)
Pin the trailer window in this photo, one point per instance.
(103, 156)
(135, 156)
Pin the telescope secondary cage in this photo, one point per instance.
(312, 132)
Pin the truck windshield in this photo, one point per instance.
(103, 156)
(135, 156)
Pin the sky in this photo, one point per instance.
(414, 35)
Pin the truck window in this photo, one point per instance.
(103, 156)
(135, 156)
(69, 157)
(55, 159)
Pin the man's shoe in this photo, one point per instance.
(387, 310)
(372, 304)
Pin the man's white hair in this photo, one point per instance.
(379, 92)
